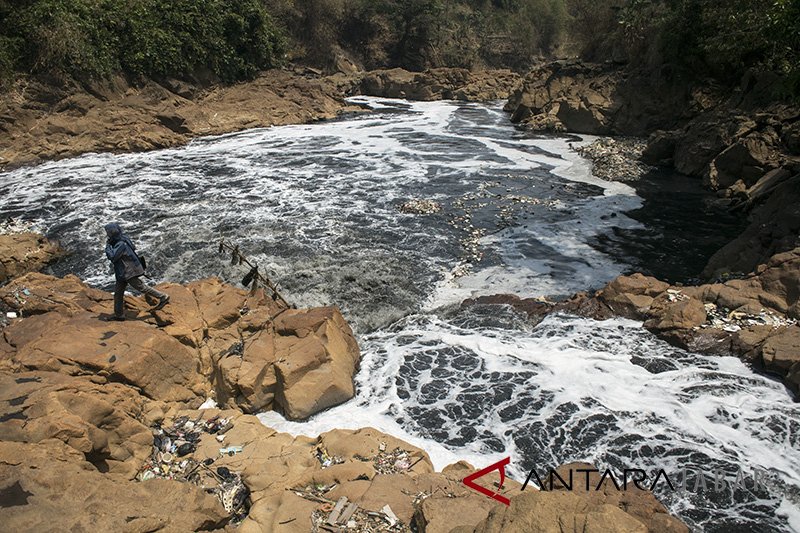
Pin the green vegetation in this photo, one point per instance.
(425, 33)
(234, 39)
(721, 39)
(89, 39)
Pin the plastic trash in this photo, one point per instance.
(390, 516)
(209, 404)
(230, 450)
(11, 314)
(186, 449)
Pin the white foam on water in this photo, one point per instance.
(574, 390)
(790, 511)
(316, 206)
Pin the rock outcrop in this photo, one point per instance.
(774, 227)
(598, 99)
(742, 143)
(42, 122)
(51, 487)
(100, 427)
(600, 508)
(212, 340)
(440, 84)
(25, 252)
(755, 317)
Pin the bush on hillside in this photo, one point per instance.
(86, 39)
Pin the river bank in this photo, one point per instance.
(43, 122)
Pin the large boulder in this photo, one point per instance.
(775, 286)
(747, 159)
(666, 315)
(774, 228)
(632, 296)
(705, 138)
(781, 354)
(317, 357)
(25, 252)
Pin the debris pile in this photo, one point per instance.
(733, 321)
(398, 460)
(420, 207)
(343, 515)
(490, 209)
(325, 459)
(616, 159)
(171, 459)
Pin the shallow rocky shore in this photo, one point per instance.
(41, 122)
(741, 143)
(102, 427)
(754, 317)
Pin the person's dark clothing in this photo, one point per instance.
(139, 285)
(127, 269)
(121, 252)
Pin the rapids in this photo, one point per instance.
(318, 206)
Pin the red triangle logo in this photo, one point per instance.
(500, 466)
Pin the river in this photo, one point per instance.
(319, 207)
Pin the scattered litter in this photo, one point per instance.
(11, 314)
(390, 516)
(616, 159)
(674, 295)
(171, 459)
(325, 459)
(398, 460)
(342, 515)
(11, 225)
(733, 321)
(420, 207)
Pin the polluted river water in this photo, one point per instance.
(324, 209)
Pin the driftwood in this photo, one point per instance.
(254, 278)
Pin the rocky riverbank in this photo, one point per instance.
(41, 122)
(23, 250)
(741, 143)
(754, 317)
(102, 427)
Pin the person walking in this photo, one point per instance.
(128, 270)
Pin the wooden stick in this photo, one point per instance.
(334, 516)
(224, 245)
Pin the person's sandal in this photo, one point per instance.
(164, 300)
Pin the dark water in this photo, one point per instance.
(683, 226)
